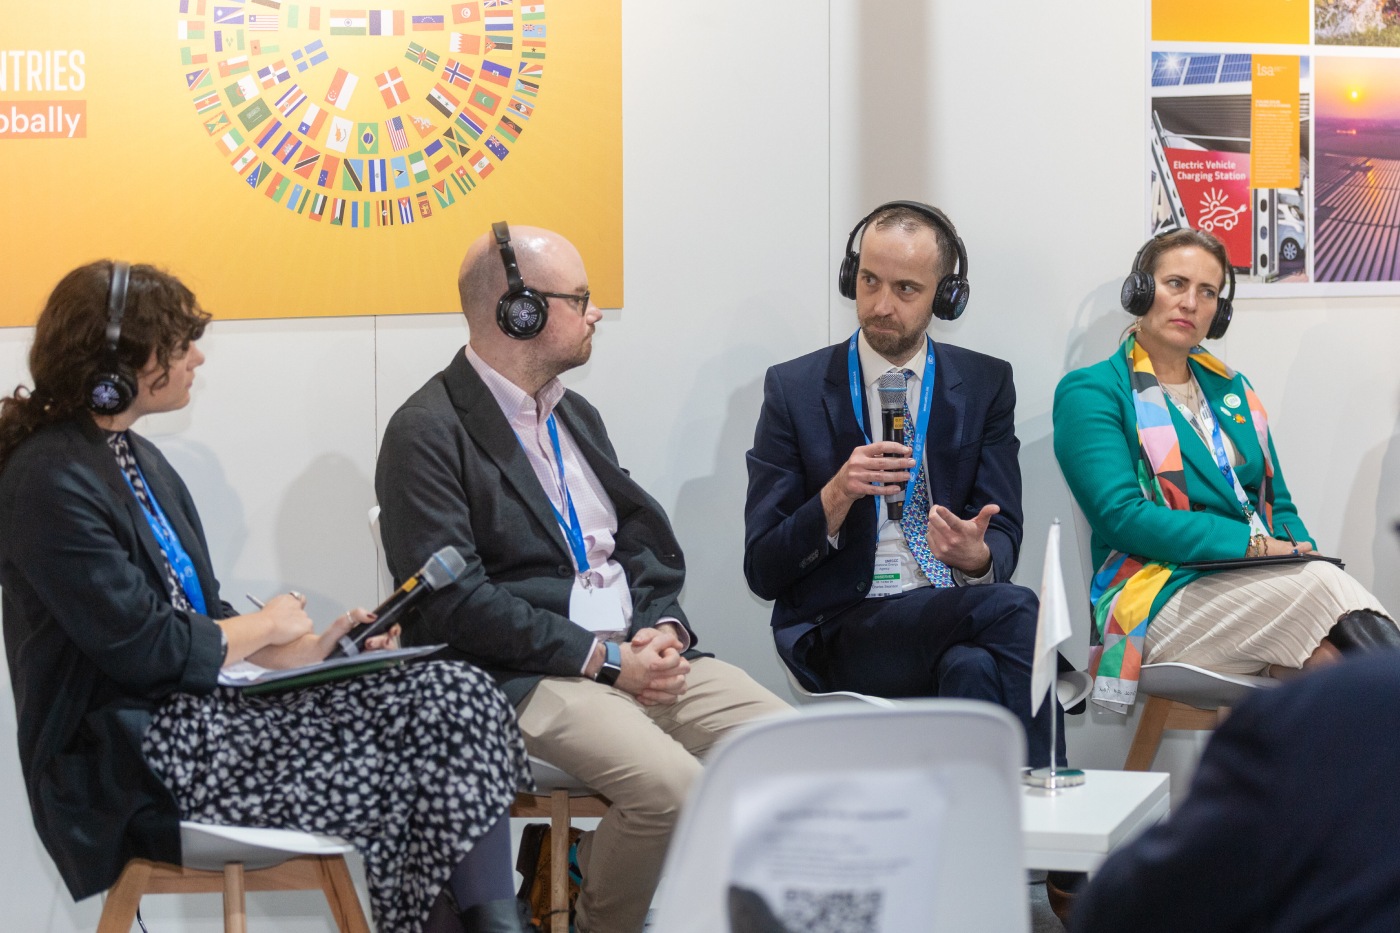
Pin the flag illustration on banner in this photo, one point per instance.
(392, 87)
(421, 56)
(311, 121)
(457, 73)
(386, 22)
(484, 100)
(367, 134)
(398, 139)
(341, 131)
(496, 74)
(445, 103)
(290, 100)
(286, 146)
(341, 89)
(1052, 625)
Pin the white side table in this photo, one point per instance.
(1075, 829)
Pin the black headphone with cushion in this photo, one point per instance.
(1140, 288)
(950, 297)
(114, 386)
(521, 312)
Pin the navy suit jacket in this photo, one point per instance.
(807, 430)
(1290, 826)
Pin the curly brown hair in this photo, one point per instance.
(161, 319)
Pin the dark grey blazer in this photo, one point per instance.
(451, 471)
(94, 645)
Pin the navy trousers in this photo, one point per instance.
(970, 642)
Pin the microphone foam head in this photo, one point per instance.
(891, 389)
(444, 567)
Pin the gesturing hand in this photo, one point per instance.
(959, 542)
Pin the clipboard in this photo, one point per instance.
(1249, 563)
(254, 680)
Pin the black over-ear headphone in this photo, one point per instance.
(521, 312)
(114, 386)
(950, 298)
(1140, 288)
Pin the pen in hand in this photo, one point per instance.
(1291, 540)
(254, 600)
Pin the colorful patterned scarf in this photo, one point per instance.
(1126, 586)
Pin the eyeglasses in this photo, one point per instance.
(580, 300)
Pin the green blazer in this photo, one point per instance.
(1096, 444)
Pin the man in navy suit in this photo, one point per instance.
(1290, 825)
(897, 607)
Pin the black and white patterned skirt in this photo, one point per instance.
(411, 765)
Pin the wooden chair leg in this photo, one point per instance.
(1149, 734)
(340, 894)
(235, 903)
(559, 861)
(119, 910)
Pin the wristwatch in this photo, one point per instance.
(612, 664)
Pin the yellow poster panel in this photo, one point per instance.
(1256, 21)
(294, 160)
(1274, 123)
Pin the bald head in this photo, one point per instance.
(481, 281)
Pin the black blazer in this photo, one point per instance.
(1290, 826)
(807, 430)
(451, 471)
(94, 645)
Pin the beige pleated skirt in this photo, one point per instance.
(1241, 621)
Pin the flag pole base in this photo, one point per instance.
(1053, 778)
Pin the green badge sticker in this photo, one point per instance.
(1232, 400)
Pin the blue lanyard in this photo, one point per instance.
(573, 528)
(1222, 458)
(920, 435)
(169, 543)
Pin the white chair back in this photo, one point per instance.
(946, 770)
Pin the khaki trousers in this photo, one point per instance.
(643, 759)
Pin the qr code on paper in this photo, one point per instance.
(832, 911)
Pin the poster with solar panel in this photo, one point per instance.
(291, 159)
(1275, 124)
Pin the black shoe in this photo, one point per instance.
(506, 915)
(1362, 631)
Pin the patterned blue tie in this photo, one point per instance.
(914, 524)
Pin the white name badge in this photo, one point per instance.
(886, 581)
(595, 608)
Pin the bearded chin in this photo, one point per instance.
(893, 347)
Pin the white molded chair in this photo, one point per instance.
(236, 859)
(1071, 687)
(558, 796)
(970, 752)
(1183, 696)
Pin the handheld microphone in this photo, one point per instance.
(891, 388)
(442, 569)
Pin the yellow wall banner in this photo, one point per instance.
(1256, 21)
(294, 160)
(1274, 123)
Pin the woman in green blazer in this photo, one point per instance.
(1167, 451)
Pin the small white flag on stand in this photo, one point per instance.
(1052, 627)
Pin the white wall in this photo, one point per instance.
(752, 144)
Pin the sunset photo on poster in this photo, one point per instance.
(1358, 183)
